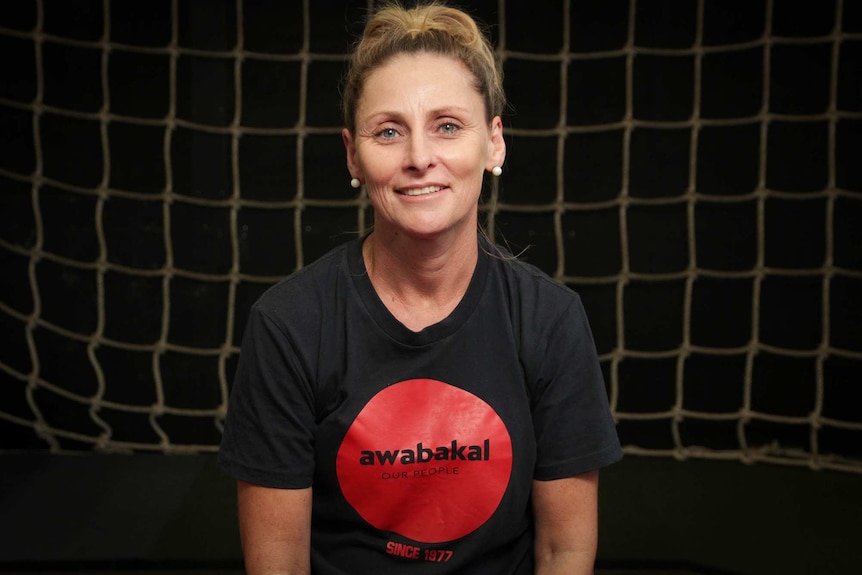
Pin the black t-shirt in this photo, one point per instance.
(421, 446)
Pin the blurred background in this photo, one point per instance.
(690, 167)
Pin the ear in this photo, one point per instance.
(350, 148)
(496, 145)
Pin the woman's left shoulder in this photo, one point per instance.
(531, 283)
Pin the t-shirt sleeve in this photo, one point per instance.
(575, 432)
(269, 429)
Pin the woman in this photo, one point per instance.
(417, 401)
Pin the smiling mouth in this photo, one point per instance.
(420, 191)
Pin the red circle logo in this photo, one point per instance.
(426, 460)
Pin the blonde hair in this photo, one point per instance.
(434, 28)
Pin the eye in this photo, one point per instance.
(449, 128)
(387, 134)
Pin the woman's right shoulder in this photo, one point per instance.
(308, 291)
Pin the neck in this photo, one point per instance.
(420, 281)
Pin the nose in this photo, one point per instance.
(420, 152)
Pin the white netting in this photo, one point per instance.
(690, 169)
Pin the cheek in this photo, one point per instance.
(472, 173)
(474, 153)
(378, 166)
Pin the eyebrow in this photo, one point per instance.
(443, 111)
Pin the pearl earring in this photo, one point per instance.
(497, 170)
(355, 183)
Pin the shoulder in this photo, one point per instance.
(544, 313)
(307, 292)
(531, 289)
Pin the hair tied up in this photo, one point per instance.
(431, 27)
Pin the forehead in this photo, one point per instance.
(422, 79)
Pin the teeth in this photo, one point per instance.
(421, 191)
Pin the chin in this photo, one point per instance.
(430, 231)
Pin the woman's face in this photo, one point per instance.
(422, 144)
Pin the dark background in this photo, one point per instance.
(689, 167)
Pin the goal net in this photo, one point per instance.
(690, 168)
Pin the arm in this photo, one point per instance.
(275, 529)
(566, 516)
